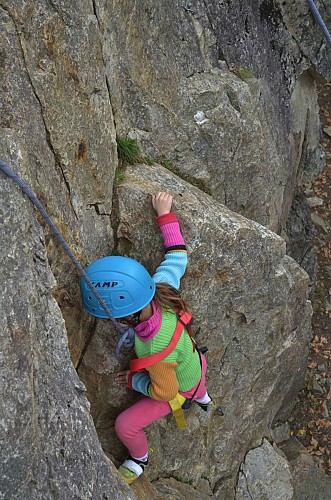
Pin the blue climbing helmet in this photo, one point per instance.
(123, 283)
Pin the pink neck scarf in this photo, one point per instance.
(148, 329)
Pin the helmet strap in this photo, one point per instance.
(136, 318)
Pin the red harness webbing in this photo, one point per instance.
(184, 320)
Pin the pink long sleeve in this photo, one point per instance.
(172, 236)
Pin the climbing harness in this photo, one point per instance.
(179, 403)
(184, 319)
(176, 406)
(126, 335)
(320, 21)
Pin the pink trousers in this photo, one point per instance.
(129, 425)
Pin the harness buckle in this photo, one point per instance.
(187, 404)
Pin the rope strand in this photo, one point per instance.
(320, 21)
(125, 335)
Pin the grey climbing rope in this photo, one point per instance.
(320, 21)
(125, 335)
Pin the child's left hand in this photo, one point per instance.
(122, 377)
(162, 203)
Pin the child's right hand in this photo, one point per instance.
(162, 203)
(122, 377)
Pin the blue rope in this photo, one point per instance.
(320, 21)
(125, 336)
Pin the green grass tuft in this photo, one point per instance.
(128, 150)
(170, 166)
(119, 176)
(148, 160)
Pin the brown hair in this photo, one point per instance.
(167, 296)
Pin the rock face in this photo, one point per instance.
(57, 130)
(222, 94)
(308, 480)
(260, 130)
(49, 447)
(265, 475)
(285, 471)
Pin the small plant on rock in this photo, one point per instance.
(119, 175)
(128, 151)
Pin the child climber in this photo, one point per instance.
(151, 307)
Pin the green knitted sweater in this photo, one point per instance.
(188, 369)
